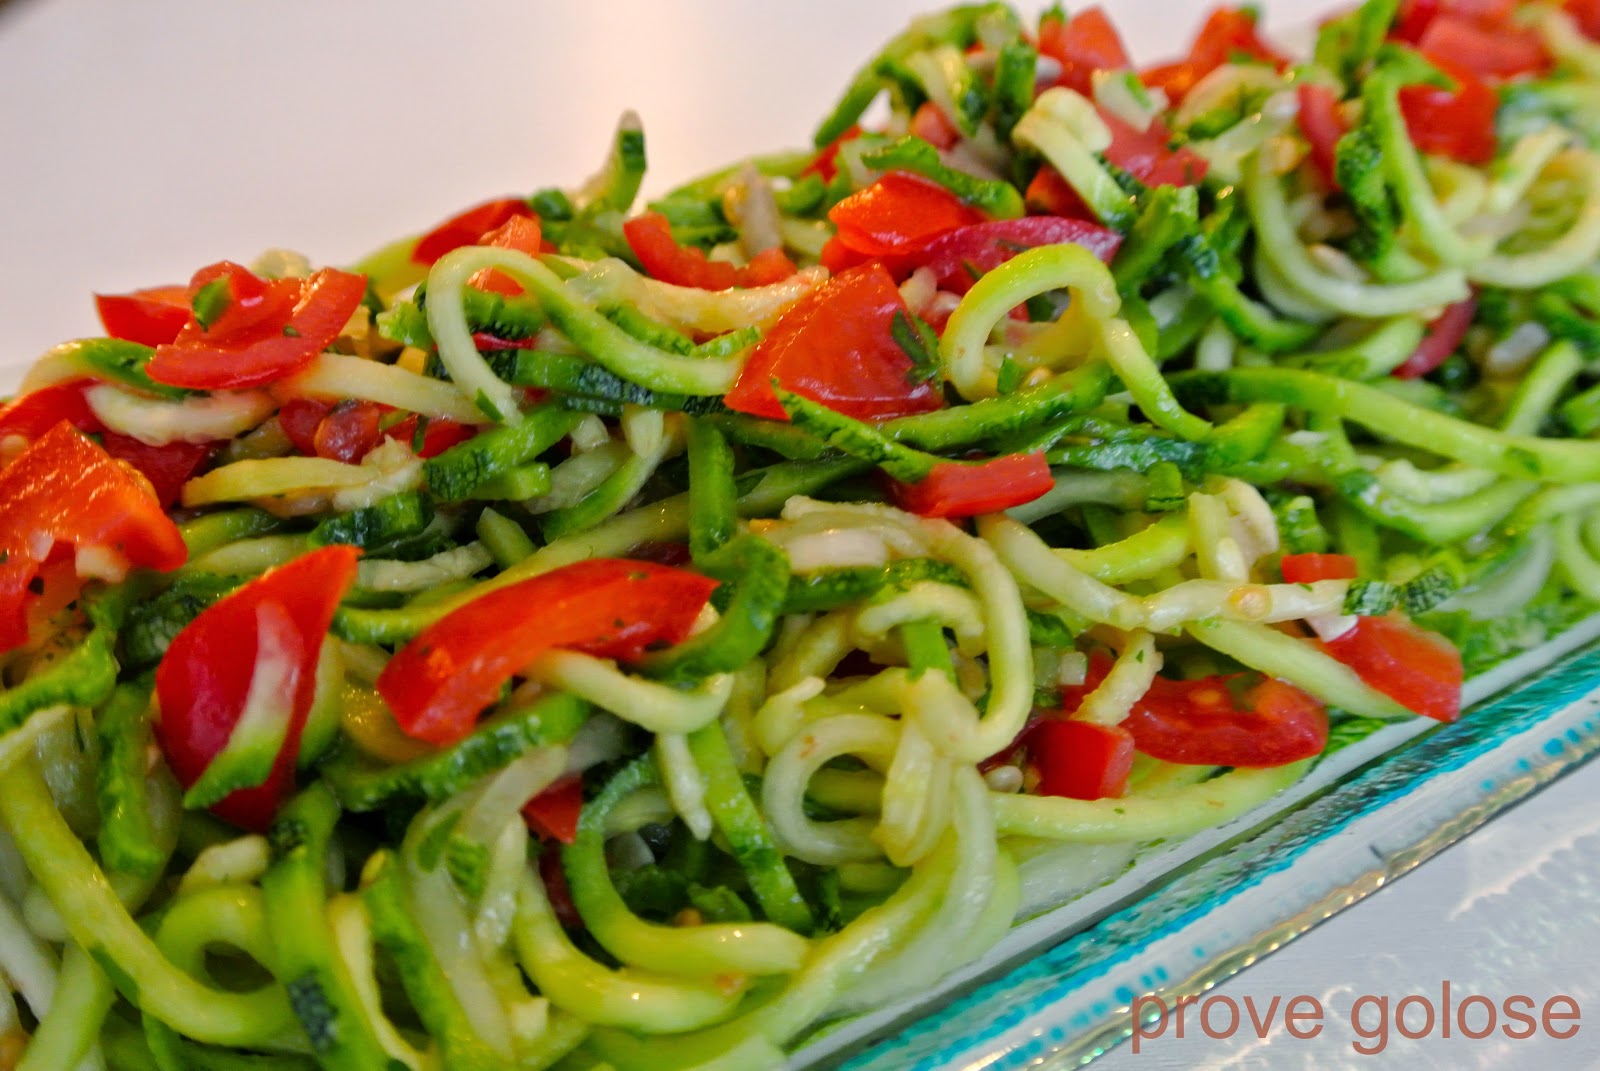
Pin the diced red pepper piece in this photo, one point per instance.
(440, 682)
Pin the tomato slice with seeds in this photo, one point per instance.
(1201, 723)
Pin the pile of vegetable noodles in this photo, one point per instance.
(588, 635)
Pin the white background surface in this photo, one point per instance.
(140, 141)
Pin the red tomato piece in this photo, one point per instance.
(1418, 669)
(65, 489)
(467, 227)
(270, 330)
(1083, 45)
(1444, 335)
(1323, 125)
(650, 237)
(167, 467)
(767, 267)
(1048, 193)
(823, 164)
(204, 679)
(1586, 13)
(440, 682)
(1227, 32)
(931, 125)
(1309, 568)
(36, 412)
(1081, 760)
(348, 431)
(553, 813)
(438, 435)
(1498, 51)
(956, 255)
(834, 345)
(1413, 19)
(897, 210)
(1199, 723)
(152, 316)
(519, 233)
(1148, 156)
(967, 489)
(839, 258)
(1458, 123)
(299, 417)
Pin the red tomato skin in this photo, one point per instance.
(1412, 21)
(1587, 15)
(152, 317)
(520, 233)
(1081, 760)
(1323, 126)
(985, 246)
(204, 678)
(1309, 568)
(299, 417)
(834, 346)
(967, 489)
(929, 124)
(650, 237)
(247, 346)
(839, 258)
(1499, 51)
(349, 430)
(1418, 669)
(1226, 31)
(167, 467)
(553, 813)
(65, 489)
(1196, 723)
(1457, 123)
(1444, 334)
(36, 412)
(1146, 155)
(465, 228)
(824, 163)
(440, 682)
(439, 435)
(1084, 44)
(897, 210)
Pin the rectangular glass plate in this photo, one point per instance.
(1057, 991)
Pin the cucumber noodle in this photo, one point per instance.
(816, 805)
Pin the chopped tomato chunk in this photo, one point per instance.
(1201, 723)
(897, 210)
(1418, 669)
(836, 345)
(1080, 760)
(1083, 44)
(553, 813)
(467, 227)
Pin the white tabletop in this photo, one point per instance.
(139, 141)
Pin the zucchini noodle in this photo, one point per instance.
(751, 604)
